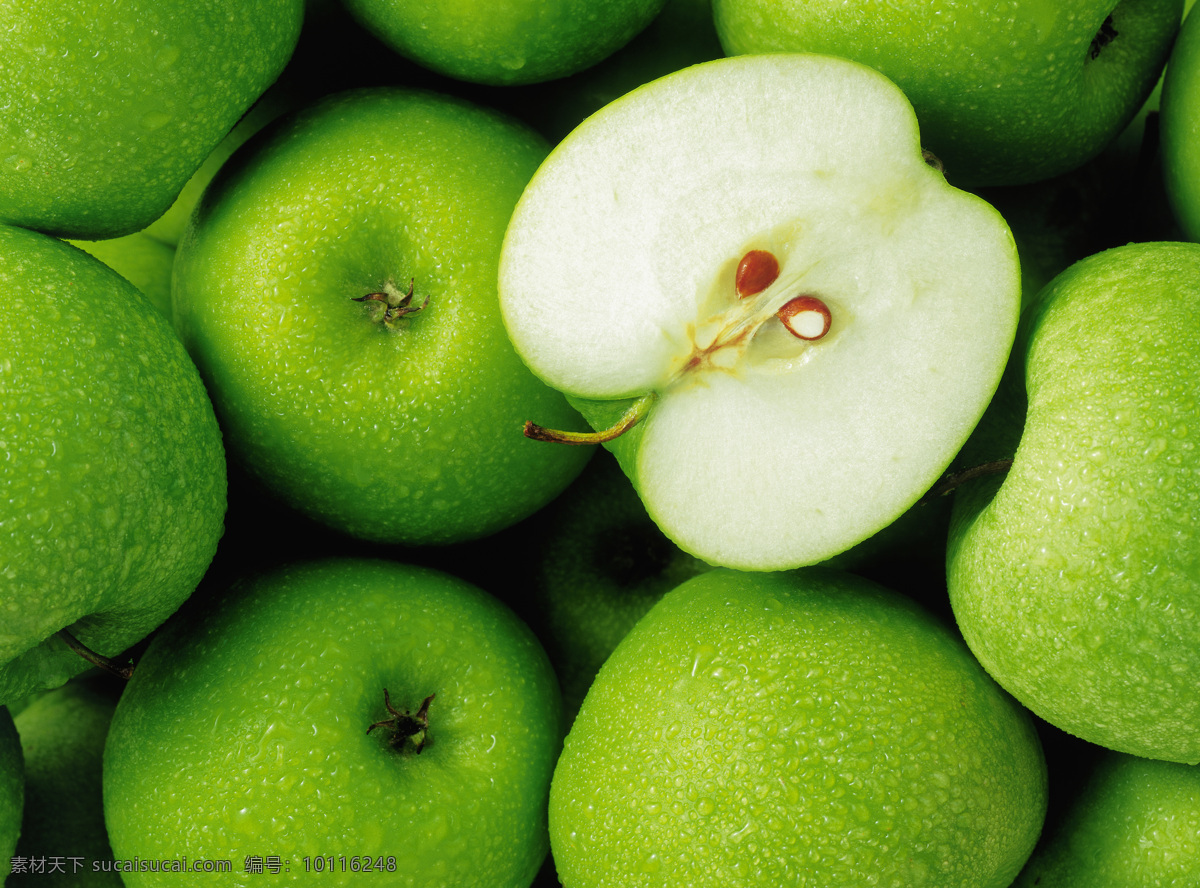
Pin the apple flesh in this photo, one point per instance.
(768, 438)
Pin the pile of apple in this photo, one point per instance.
(761, 451)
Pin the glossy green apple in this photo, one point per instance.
(809, 728)
(1180, 127)
(390, 418)
(599, 564)
(629, 280)
(1075, 578)
(142, 260)
(113, 492)
(1136, 824)
(1006, 93)
(519, 41)
(247, 729)
(12, 789)
(107, 111)
(62, 737)
(169, 227)
(682, 34)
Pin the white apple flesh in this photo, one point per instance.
(759, 246)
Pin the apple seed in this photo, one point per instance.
(805, 317)
(407, 728)
(757, 271)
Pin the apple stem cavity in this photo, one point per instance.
(124, 670)
(957, 479)
(631, 417)
(408, 730)
(396, 305)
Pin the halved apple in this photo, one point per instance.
(752, 270)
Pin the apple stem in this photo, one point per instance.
(957, 479)
(407, 728)
(125, 671)
(631, 417)
(933, 160)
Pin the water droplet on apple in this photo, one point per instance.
(153, 120)
(166, 57)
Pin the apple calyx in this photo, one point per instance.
(631, 417)
(396, 305)
(124, 670)
(408, 730)
(1106, 35)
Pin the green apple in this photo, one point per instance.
(598, 565)
(113, 491)
(12, 789)
(62, 737)
(681, 35)
(1180, 128)
(1075, 578)
(142, 260)
(107, 112)
(1006, 94)
(749, 269)
(389, 417)
(168, 228)
(809, 728)
(394, 716)
(518, 41)
(1136, 824)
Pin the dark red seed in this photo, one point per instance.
(757, 271)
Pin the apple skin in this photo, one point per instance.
(600, 564)
(142, 260)
(1136, 823)
(244, 731)
(62, 737)
(409, 434)
(520, 41)
(1180, 128)
(106, 115)
(113, 495)
(1074, 578)
(800, 728)
(682, 34)
(12, 789)
(1005, 94)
